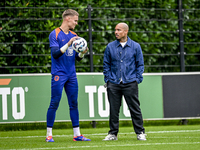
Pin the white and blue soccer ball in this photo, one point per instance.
(79, 45)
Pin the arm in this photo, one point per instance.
(54, 45)
(56, 53)
(139, 64)
(106, 64)
(79, 56)
(65, 47)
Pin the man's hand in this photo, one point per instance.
(72, 40)
(85, 51)
(81, 54)
(105, 85)
(65, 47)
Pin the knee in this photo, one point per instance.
(54, 103)
(73, 105)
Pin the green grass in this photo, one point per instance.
(179, 137)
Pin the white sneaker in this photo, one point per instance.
(141, 137)
(110, 137)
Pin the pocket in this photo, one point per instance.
(130, 72)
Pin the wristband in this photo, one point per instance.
(64, 48)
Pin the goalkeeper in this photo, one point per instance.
(64, 73)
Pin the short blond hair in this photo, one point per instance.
(70, 12)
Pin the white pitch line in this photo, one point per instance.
(173, 131)
(98, 134)
(144, 144)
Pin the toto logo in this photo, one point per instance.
(18, 100)
(102, 100)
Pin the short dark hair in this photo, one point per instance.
(70, 12)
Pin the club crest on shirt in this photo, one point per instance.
(69, 51)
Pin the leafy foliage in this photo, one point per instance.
(25, 27)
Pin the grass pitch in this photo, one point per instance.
(183, 137)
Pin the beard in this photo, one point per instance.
(118, 39)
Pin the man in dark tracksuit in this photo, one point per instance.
(64, 73)
(123, 68)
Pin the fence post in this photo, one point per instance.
(181, 39)
(89, 8)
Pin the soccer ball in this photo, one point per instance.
(79, 45)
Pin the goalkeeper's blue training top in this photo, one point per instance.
(65, 64)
